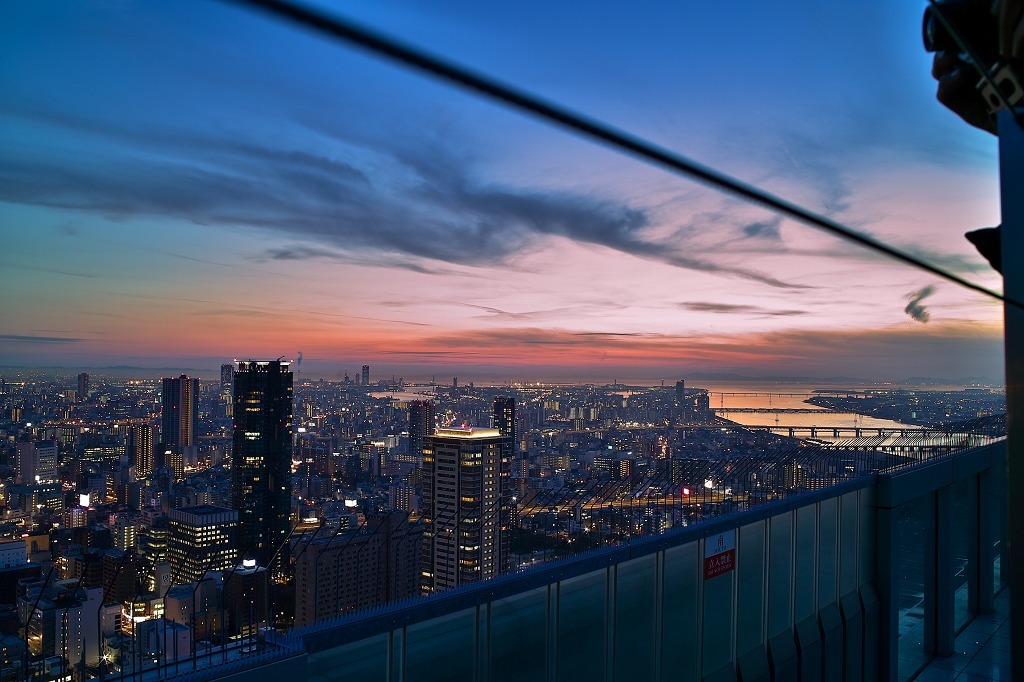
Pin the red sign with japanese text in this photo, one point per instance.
(719, 554)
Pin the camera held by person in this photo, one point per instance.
(979, 49)
(979, 52)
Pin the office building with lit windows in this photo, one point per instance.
(505, 419)
(180, 403)
(35, 462)
(138, 446)
(227, 386)
(83, 387)
(466, 507)
(201, 539)
(421, 425)
(261, 460)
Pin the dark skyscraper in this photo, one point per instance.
(262, 458)
(680, 392)
(421, 425)
(366, 375)
(83, 386)
(505, 419)
(180, 403)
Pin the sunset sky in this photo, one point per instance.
(183, 183)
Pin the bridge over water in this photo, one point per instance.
(775, 410)
(783, 394)
(853, 431)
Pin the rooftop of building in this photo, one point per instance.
(469, 432)
(204, 510)
(204, 514)
(261, 365)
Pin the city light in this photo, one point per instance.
(541, 475)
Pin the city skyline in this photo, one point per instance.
(342, 502)
(173, 199)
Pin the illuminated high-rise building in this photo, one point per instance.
(46, 452)
(366, 375)
(172, 460)
(124, 533)
(83, 387)
(505, 419)
(467, 507)
(227, 386)
(180, 402)
(261, 460)
(153, 541)
(201, 539)
(421, 425)
(703, 406)
(26, 463)
(36, 462)
(138, 447)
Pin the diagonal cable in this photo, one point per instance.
(596, 130)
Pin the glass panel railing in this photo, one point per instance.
(683, 574)
(780, 573)
(828, 551)
(581, 643)
(635, 631)
(366, 659)
(518, 624)
(1000, 548)
(443, 648)
(751, 595)
(849, 542)
(964, 550)
(915, 604)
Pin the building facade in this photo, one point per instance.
(467, 507)
(374, 564)
(261, 460)
(180, 404)
(61, 623)
(201, 539)
(505, 419)
(246, 599)
(227, 387)
(35, 462)
(421, 425)
(83, 387)
(139, 447)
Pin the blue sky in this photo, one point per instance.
(184, 182)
